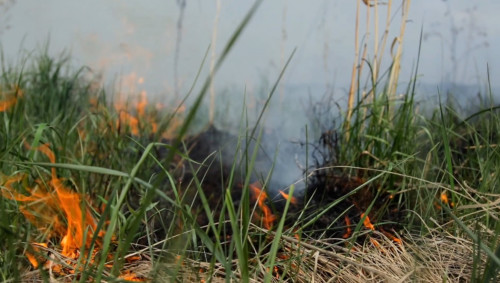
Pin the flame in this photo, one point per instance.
(260, 196)
(368, 224)
(7, 103)
(293, 200)
(33, 258)
(376, 244)
(133, 122)
(444, 198)
(11, 98)
(391, 236)
(128, 275)
(348, 227)
(46, 204)
(135, 115)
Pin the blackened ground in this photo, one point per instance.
(353, 197)
(218, 160)
(326, 188)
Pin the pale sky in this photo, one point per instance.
(135, 39)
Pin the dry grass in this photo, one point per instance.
(435, 258)
(417, 259)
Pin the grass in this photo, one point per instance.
(438, 172)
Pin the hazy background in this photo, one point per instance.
(158, 46)
(143, 38)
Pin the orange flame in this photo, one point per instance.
(368, 224)
(45, 205)
(348, 227)
(260, 197)
(391, 236)
(33, 259)
(444, 198)
(133, 122)
(131, 276)
(9, 102)
(293, 200)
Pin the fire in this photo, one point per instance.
(348, 227)
(136, 117)
(7, 103)
(368, 224)
(11, 98)
(46, 204)
(443, 197)
(33, 259)
(260, 196)
(57, 211)
(391, 236)
(293, 200)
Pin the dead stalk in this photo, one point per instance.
(352, 89)
(396, 59)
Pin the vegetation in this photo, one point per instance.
(100, 190)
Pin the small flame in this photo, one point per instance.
(126, 118)
(131, 276)
(444, 198)
(293, 200)
(391, 236)
(7, 103)
(260, 197)
(33, 258)
(368, 224)
(376, 243)
(348, 227)
(11, 99)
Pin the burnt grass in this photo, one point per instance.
(215, 162)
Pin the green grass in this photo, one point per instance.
(130, 185)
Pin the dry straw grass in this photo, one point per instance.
(435, 258)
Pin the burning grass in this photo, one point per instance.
(61, 213)
(357, 221)
(127, 195)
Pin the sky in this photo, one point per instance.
(162, 44)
